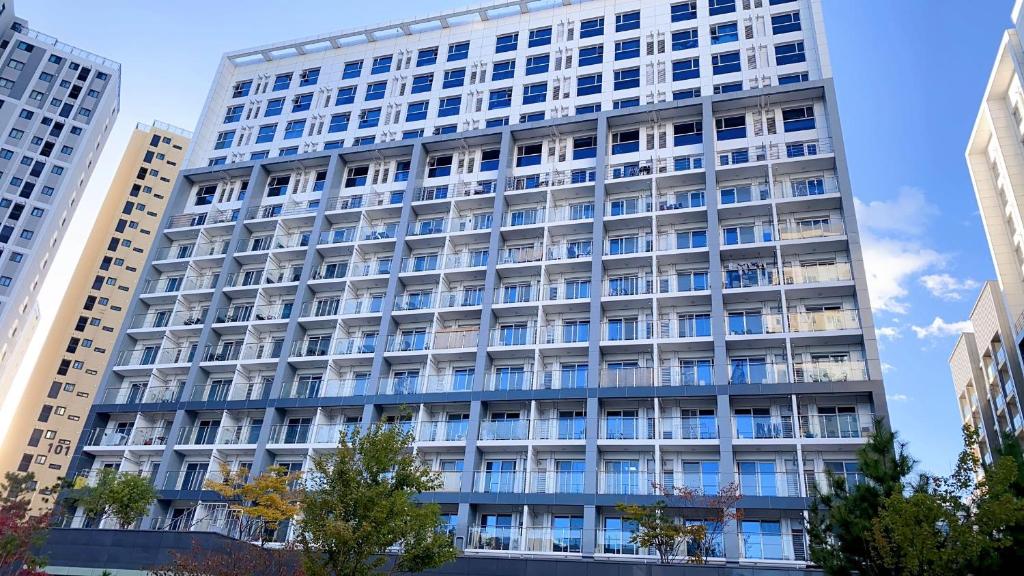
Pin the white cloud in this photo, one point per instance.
(946, 287)
(940, 328)
(890, 263)
(894, 255)
(889, 332)
(886, 367)
(907, 215)
(897, 397)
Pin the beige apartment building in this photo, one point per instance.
(54, 405)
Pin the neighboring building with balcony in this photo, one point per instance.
(986, 364)
(57, 105)
(68, 370)
(660, 281)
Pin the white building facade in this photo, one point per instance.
(57, 106)
(646, 270)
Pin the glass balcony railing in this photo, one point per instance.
(758, 427)
(830, 371)
(813, 273)
(824, 320)
(831, 426)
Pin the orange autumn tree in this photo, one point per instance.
(262, 503)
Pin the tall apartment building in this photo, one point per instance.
(78, 348)
(57, 105)
(506, 231)
(986, 365)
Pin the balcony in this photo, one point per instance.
(629, 286)
(337, 236)
(757, 371)
(510, 429)
(549, 179)
(745, 235)
(824, 320)
(499, 481)
(561, 428)
(443, 431)
(150, 355)
(682, 200)
(684, 281)
(512, 335)
(572, 212)
(428, 227)
(626, 483)
(128, 436)
(166, 319)
(250, 313)
(631, 206)
(557, 482)
(798, 150)
(494, 538)
(762, 427)
(760, 276)
(753, 323)
(319, 388)
(420, 263)
(807, 187)
(518, 217)
(771, 545)
(744, 193)
(561, 540)
(449, 480)
(570, 250)
(519, 255)
(686, 326)
(415, 301)
(239, 389)
(699, 372)
(830, 371)
(626, 245)
(572, 333)
(143, 393)
(688, 427)
(627, 377)
(627, 428)
(627, 330)
(818, 273)
(517, 293)
(811, 229)
(832, 426)
(209, 218)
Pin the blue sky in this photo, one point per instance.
(909, 75)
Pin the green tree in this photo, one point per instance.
(21, 530)
(949, 525)
(842, 516)
(360, 502)
(1007, 559)
(124, 496)
(658, 528)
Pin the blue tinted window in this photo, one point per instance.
(685, 69)
(503, 70)
(686, 133)
(224, 140)
(584, 147)
(333, 144)
(784, 23)
(422, 83)
(540, 37)
(500, 99)
(369, 118)
(724, 33)
(381, 65)
(346, 95)
(628, 78)
(728, 87)
(588, 109)
(412, 134)
(684, 39)
(352, 69)
(627, 21)
(282, 82)
(626, 142)
(294, 129)
(274, 107)
(426, 57)
(375, 91)
(716, 7)
(302, 102)
(240, 90)
(625, 103)
(529, 154)
(684, 11)
(535, 93)
(531, 117)
(791, 53)
(291, 151)
(591, 28)
(797, 119)
(339, 123)
(458, 51)
(416, 111)
(363, 140)
(233, 113)
(725, 63)
(449, 106)
(309, 77)
(507, 43)
(537, 64)
(793, 78)
(489, 160)
(588, 85)
(266, 133)
(446, 129)
(626, 49)
(454, 78)
(495, 122)
(731, 127)
(590, 55)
